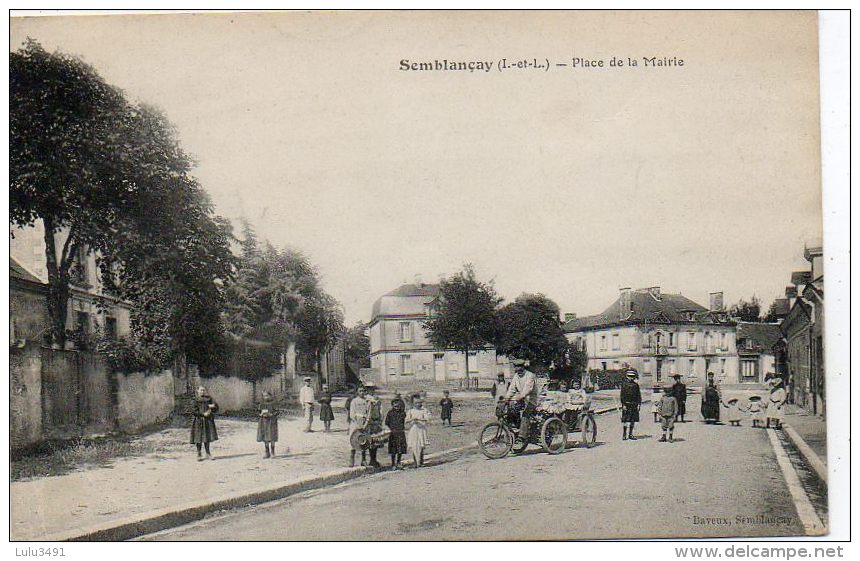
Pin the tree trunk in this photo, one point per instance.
(58, 287)
(467, 367)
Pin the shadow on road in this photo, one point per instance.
(232, 456)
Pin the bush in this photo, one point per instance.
(245, 359)
(124, 355)
(606, 379)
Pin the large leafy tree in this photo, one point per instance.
(276, 297)
(463, 319)
(530, 328)
(66, 165)
(108, 176)
(357, 345)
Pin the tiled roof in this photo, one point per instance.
(17, 271)
(801, 277)
(671, 308)
(764, 335)
(405, 300)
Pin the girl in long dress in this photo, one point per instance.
(267, 426)
(203, 410)
(775, 403)
(418, 418)
(326, 412)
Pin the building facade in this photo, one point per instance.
(400, 351)
(803, 329)
(661, 335)
(91, 309)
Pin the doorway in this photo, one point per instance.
(439, 366)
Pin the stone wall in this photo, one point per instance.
(25, 396)
(143, 399)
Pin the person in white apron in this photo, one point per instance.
(776, 404)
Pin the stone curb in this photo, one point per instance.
(171, 517)
(808, 453)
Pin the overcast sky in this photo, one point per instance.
(569, 182)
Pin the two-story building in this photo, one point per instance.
(400, 351)
(91, 308)
(660, 335)
(803, 328)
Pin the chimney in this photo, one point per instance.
(716, 302)
(791, 295)
(624, 303)
(655, 292)
(569, 316)
(418, 280)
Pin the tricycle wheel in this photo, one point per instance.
(495, 440)
(589, 430)
(553, 435)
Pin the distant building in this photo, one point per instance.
(661, 335)
(400, 351)
(91, 308)
(803, 328)
(759, 351)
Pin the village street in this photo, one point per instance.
(713, 481)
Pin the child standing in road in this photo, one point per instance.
(395, 420)
(655, 407)
(418, 417)
(447, 408)
(267, 427)
(667, 407)
(756, 411)
(734, 415)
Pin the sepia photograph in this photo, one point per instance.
(395, 275)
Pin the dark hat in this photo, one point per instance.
(307, 378)
(733, 400)
(676, 376)
(755, 398)
(518, 362)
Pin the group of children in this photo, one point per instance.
(665, 411)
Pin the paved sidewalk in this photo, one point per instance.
(136, 485)
(811, 428)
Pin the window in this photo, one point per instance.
(749, 371)
(673, 369)
(603, 364)
(691, 366)
(646, 365)
(406, 364)
(724, 341)
(671, 339)
(603, 343)
(722, 367)
(616, 342)
(405, 331)
(691, 341)
(82, 321)
(110, 328)
(473, 361)
(80, 272)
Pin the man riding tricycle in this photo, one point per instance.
(524, 418)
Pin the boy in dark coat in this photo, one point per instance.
(203, 410)
(447, 408)
(679, 390)
(631, 400)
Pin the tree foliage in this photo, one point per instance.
(276, 297)
(112, 177)
(464, 316)
(747, 310)
(357, 345)
(530, 328)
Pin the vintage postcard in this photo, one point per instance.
(432, 275)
